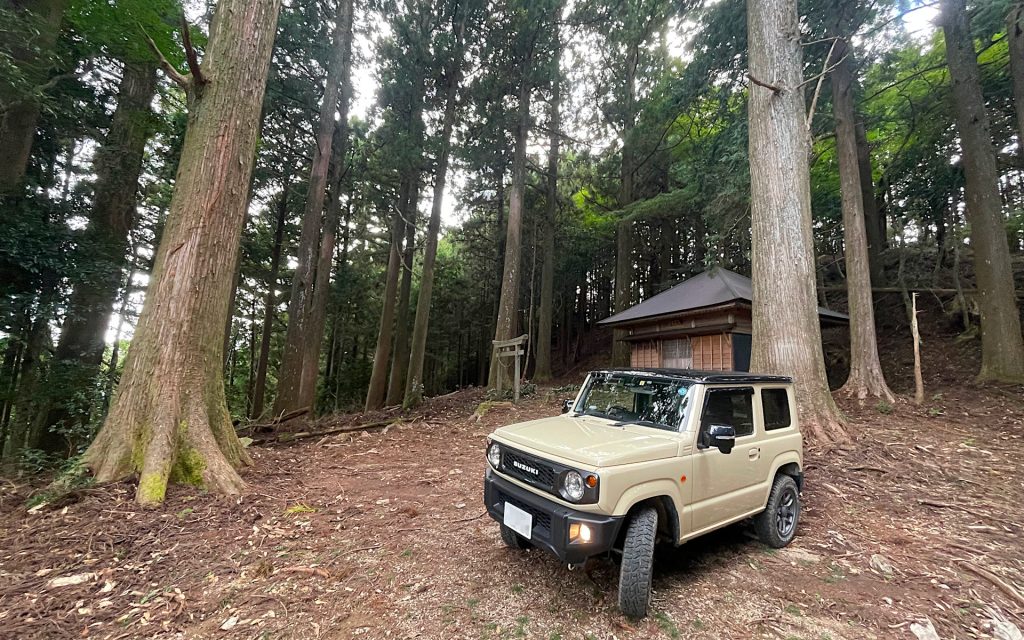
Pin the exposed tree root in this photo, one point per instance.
(172, 437)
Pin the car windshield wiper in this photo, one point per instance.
(598, 414)
(644, 423)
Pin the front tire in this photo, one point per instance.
(638, 563)
(776, 525)
(513, 540)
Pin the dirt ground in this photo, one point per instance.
(382, 534)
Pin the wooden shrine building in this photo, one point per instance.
(701, 323)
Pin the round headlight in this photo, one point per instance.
(572, 486)
(494, 455)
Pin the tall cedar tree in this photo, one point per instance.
(325, 259)
(866, 377)
(786, 334)
(295, 390)
(400, 353)
(169, 419)
(453, 76)
(545, 311)
(1002, 346)
(270, 305)
(1015, 34)
(508, 301)
(32, 50)
(412, 33)
(102, 257)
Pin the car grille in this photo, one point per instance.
(541, 520)
(513, 463)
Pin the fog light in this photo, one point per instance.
(579, 531)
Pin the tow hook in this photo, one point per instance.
(573, 567)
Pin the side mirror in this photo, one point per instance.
(567, 405)
(722, 436)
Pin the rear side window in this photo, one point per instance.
(732, 407)
(775, 403)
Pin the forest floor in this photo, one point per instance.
(382, 534)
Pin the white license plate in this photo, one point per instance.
(518, 520)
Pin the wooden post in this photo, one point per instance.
(918, 379)
(515, 381)
(514, 348)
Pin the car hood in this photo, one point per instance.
(590, 441)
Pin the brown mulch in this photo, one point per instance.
(382, 534)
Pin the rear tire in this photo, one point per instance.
(638, 563)
(776, 525)
(513, 540)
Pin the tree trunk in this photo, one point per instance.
(874, 226)
(270, 307)
(295, 391)
(1015, 34)
(73, 378)
(1002, 346)
(866, 378)
(400, 354)
(547, 276)
(624, 229)
(325, 261)
(414, 382)
(21, 109)
(508, 302)
(169, 419)
(382, 354)
(786, 333)
(24, 425)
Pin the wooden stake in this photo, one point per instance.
(918, 380)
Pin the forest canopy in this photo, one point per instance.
(212, 217)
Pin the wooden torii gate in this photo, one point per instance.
(514, 348)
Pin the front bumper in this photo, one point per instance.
(551, 521)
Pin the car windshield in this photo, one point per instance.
(632, 398)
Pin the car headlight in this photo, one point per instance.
(494, 455)
(572, 486)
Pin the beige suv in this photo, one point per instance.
(649, 455)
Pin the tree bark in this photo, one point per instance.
(325, 261)
(508, 302)
(270, 307)
(20, 113)
(874, 225)
(545, 314)
(73, 376)
(169, 420)
(866, 378)
(414, 382)
(1015, 34)
(1002, 346)
(294, 390)
(786, 332)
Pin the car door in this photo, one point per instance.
(775, 409)
(726, 484)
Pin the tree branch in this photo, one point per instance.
(190, 53)
(761, 83)
(820, 78)
(172, 73)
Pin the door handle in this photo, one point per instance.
(754, 453)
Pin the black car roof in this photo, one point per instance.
(695, 375)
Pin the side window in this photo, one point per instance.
(775, 403)
(733, 407)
